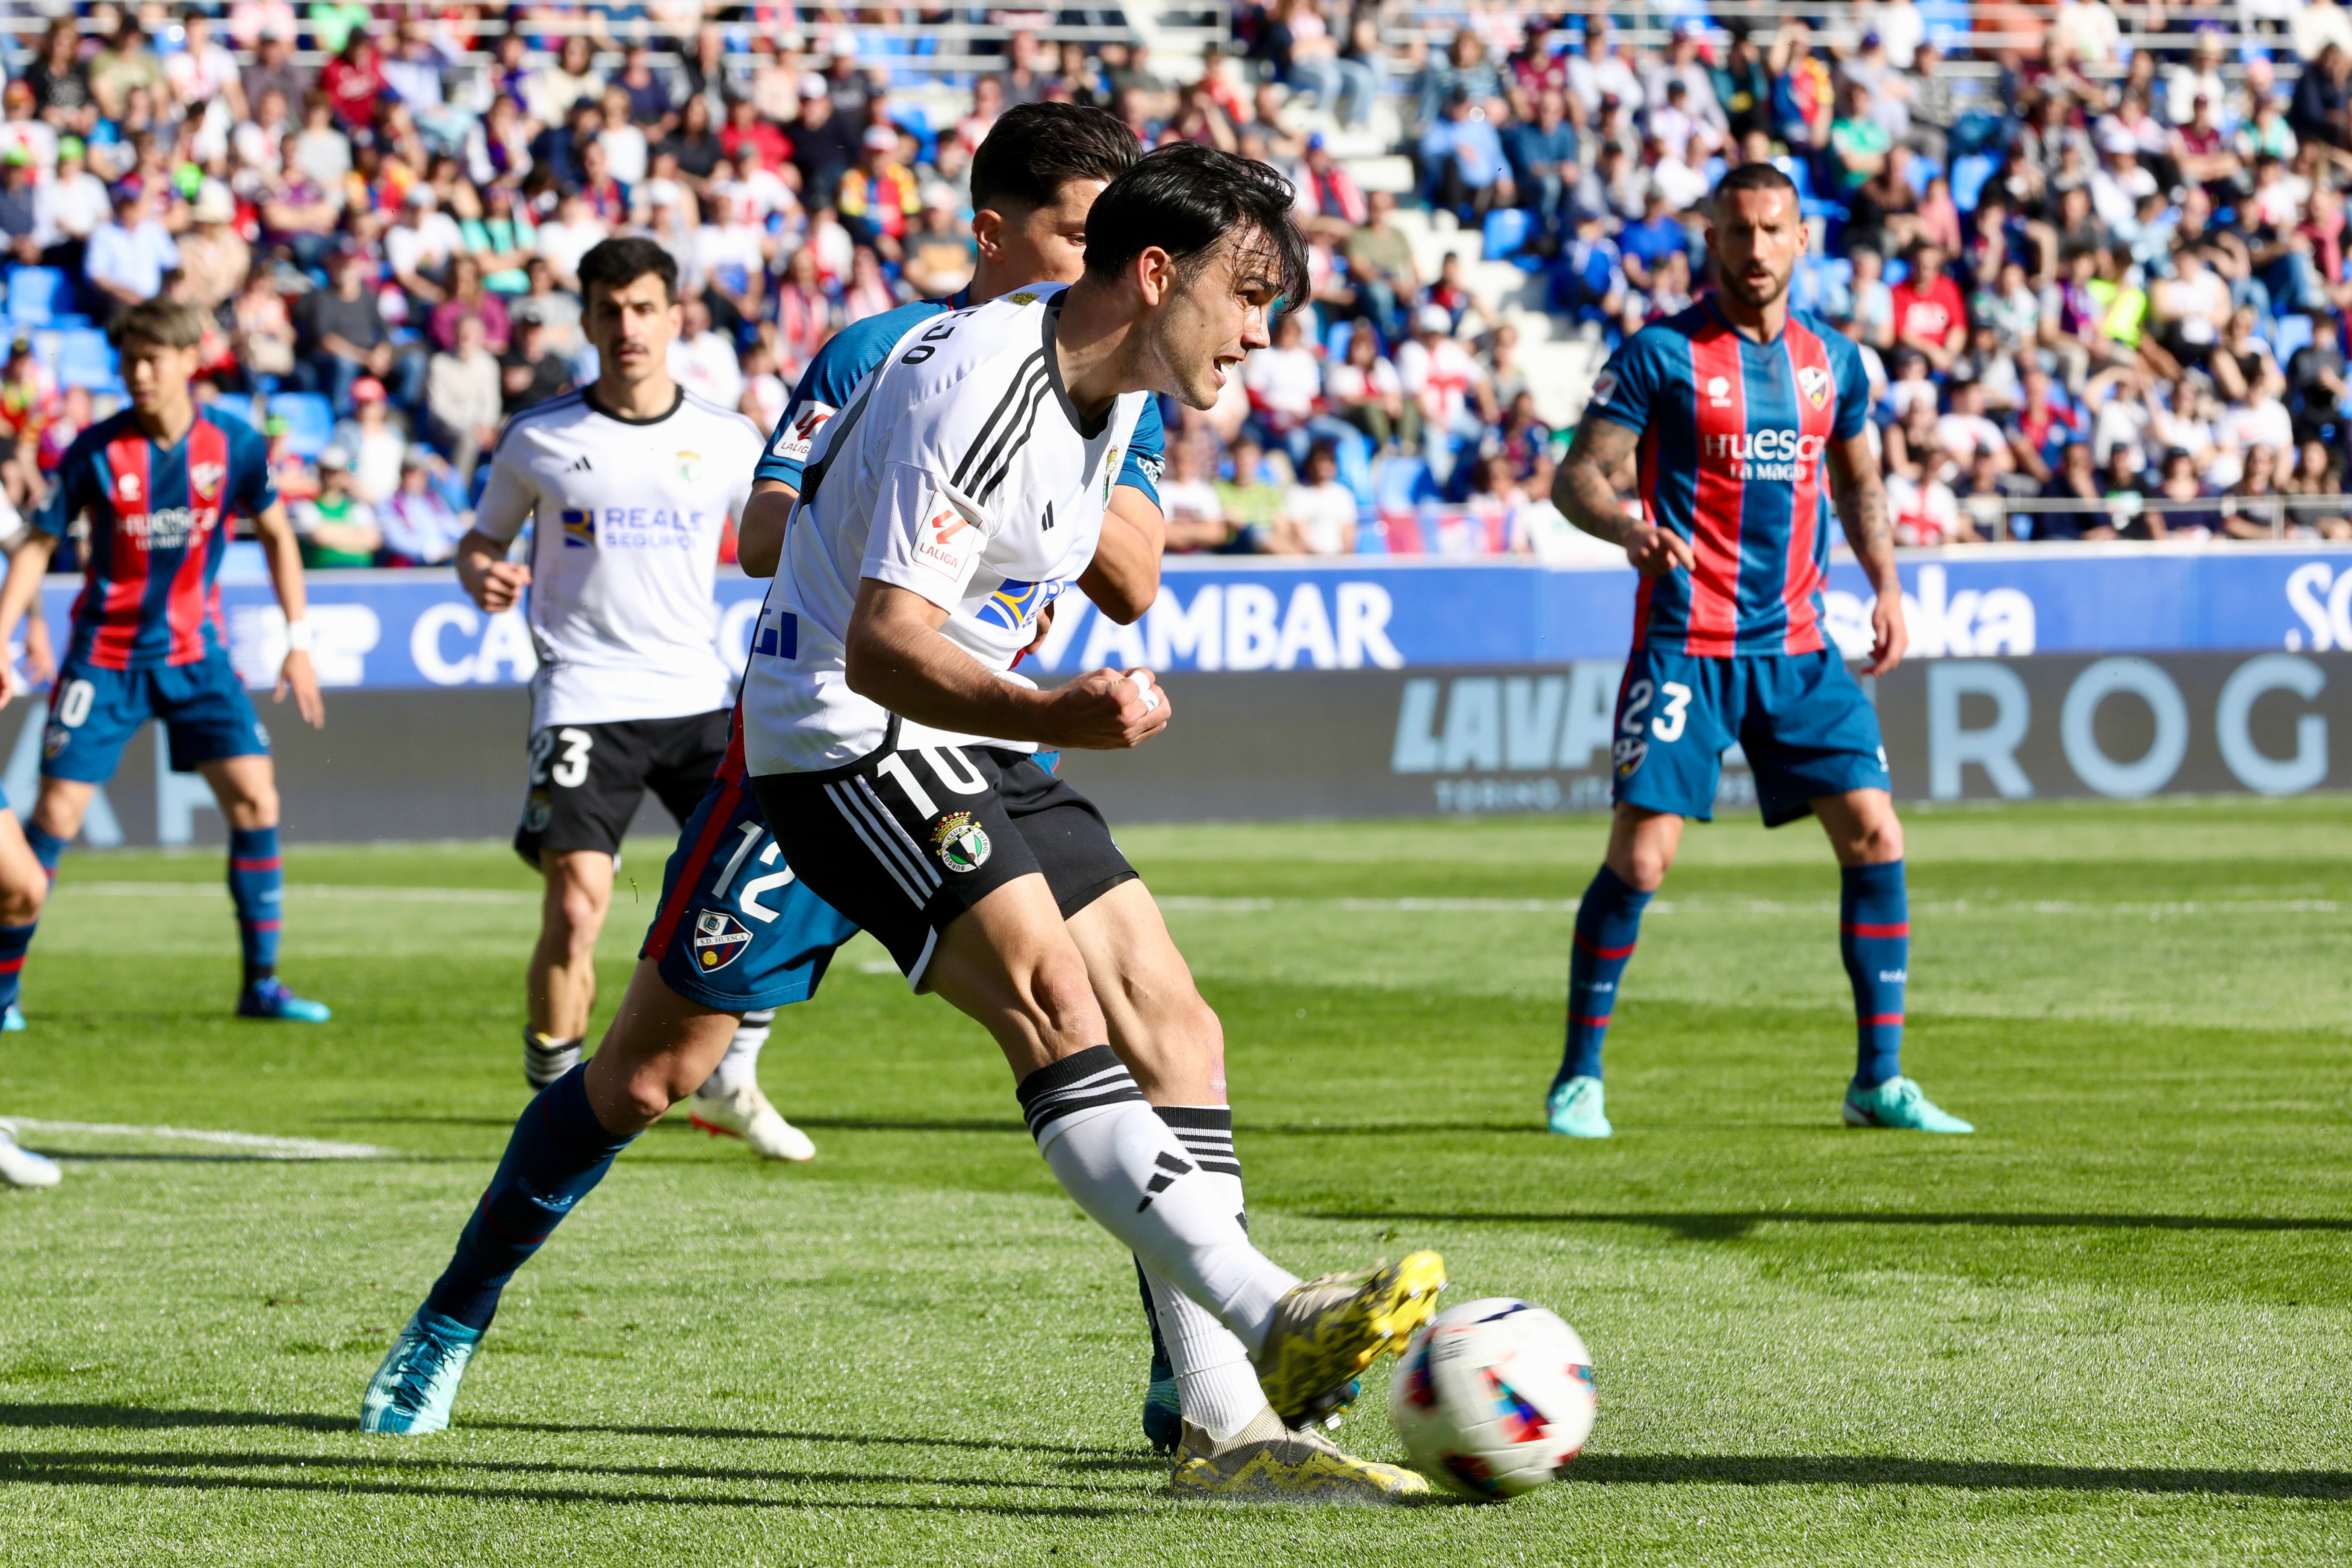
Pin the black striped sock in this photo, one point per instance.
(1094, 1077)
(1207, 1133)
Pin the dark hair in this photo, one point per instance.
(1186, 199)
(1755, 177)
(615, 262)
(158, 321)
(1036, 149)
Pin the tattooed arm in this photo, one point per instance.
(1586, 493)
(1862, 508)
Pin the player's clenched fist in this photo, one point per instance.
(1107, 711)
(1656, 552)
(494, 584)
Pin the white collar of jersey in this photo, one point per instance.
(1051, 315)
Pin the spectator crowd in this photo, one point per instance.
(2090, 266)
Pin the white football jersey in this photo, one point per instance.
(959, 470)
(630, 513)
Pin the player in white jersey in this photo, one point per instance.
(630, 484)
(889, 741)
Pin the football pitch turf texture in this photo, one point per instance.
(2110, 1328)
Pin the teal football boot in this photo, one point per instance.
(1576, 1108)
(270, 999)
(413, 1390)
(12, 1022)
(1899, 1103)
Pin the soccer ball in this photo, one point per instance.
(1492, 1397)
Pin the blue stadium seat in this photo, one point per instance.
(1508, 228)
(1895, 271)
(2291, 332)
(1968, 178)
(1921, 171)
(232, 409)
(1402, 483)
(35, 294)
(1335, 340)
(309, 420)
(86, 359)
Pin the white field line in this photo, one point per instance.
(1188, 904)
(262, 1144)
(354, 893)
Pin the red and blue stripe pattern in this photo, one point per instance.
(159, 528)
(1733, 436)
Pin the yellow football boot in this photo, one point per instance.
(1328, 1330)
(1268, 1462)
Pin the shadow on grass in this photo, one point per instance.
(1964, 1475)
(110, 1157)
(1734, 1226)
(141, 1417)
(212, 1473)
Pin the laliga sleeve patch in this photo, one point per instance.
(946, 540)
(797, 438)
(1605, 387)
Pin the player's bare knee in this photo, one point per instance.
(20, 904)
(1060, 1002)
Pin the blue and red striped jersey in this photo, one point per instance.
(1733, 433)
(158, 531)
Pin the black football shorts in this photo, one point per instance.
(588, 780)
(902, 842)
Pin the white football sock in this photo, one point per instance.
(740, 1065)
(1122, 1164)
(1215, 1384)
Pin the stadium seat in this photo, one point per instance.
(1506, 230)
(309, 420)
(1335, 342)
(1969, 175)
(1921, 171)
(37, 294)
(232, 409)
(1401, 484)
(2290, 333)
(1896, 271)
(86, 359)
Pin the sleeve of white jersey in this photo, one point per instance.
(927, 533)
(511, 497)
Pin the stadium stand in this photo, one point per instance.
(2118, 227)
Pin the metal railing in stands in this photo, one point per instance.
(2272, 510)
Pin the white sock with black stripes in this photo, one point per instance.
(1215, 1384)
(740, 1065)
(1123, 1165)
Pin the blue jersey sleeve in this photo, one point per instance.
(75, 490)
(826, 385)
(1629, 384)
(1146, 452)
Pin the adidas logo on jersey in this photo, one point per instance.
(581, 466)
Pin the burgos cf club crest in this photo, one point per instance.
(719, 939)
(960, 843)
(579, 529)
(1815, 383)
(689, 466)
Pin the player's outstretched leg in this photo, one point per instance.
(1875, 940)
(730, 1104)
(1009, 963)
(658, 1048)
(247, 788)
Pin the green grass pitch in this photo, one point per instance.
(2111, 1328)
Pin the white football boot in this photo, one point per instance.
(20, 1167)
(745, 1113)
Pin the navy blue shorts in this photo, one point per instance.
(94, 712)
(1802, 720)
(737, 929)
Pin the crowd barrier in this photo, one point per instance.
(1375, 688)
